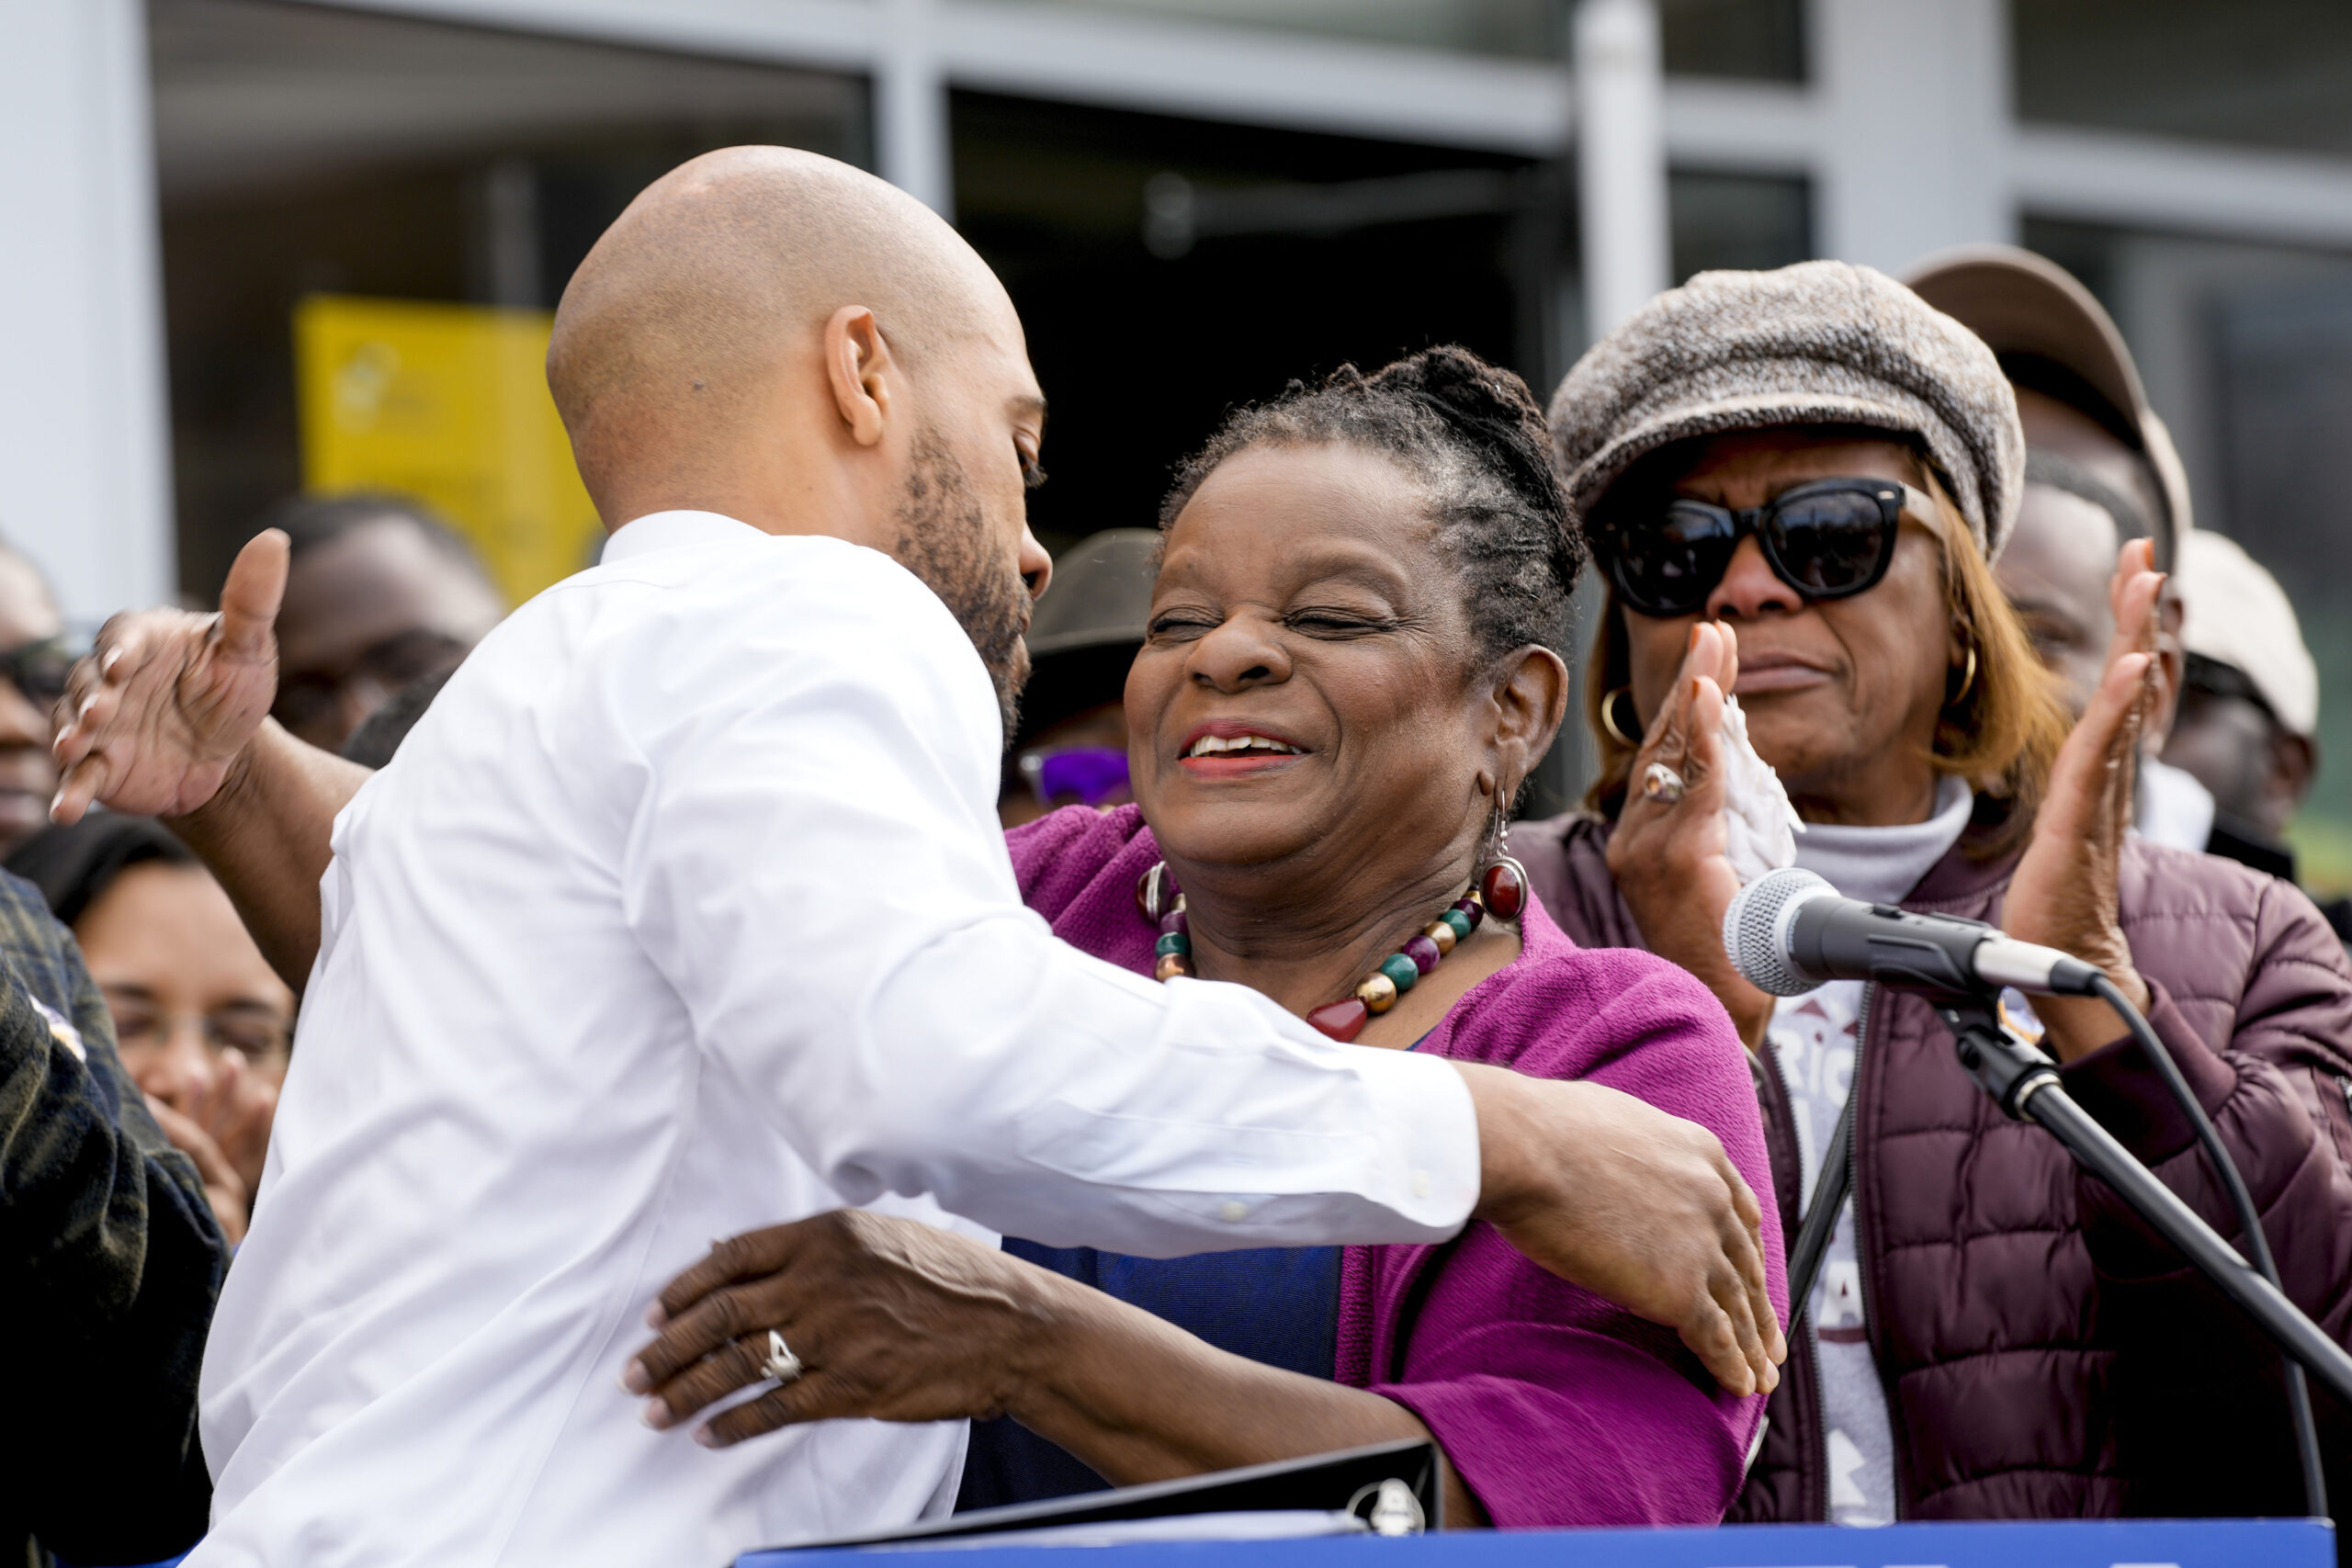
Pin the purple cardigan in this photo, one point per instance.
(1553, 1406)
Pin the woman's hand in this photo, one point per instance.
(2063, 895)
(223, 1188)
(238, 1114)
(1667, 857)
(893, 1319)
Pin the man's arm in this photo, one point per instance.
(168, 718)
(265, 835)
(815, 869)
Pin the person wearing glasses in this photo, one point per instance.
(203, 1024)
(1796, 482)
(380, 595)
(35, 658)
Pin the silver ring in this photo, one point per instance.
(1662, 783)
(782, 1364)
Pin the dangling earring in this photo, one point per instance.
(1967, 679)
(1503, 881)
(1609, 718)
(1161, 902)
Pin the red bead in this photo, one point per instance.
(1504, 889)
(1342, 1020)
(1423, 952)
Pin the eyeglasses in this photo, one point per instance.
(1827, 538)
(1081, 776)
(39, 670)
(140, 1027)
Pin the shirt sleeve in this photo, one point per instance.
(815, 866)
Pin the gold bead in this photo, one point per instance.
(1442, 934)
(1378, 992)
(1171, 964)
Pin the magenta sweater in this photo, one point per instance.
(1554, 1407)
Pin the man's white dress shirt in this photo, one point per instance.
(685, 910)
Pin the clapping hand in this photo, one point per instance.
(1667, 854)
(2064, 893)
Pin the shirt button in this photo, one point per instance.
(1421, 1184)
(1234, 1211)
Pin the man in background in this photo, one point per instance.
(1071, 746)
(2100, 471)
(34, 660)
(2249, 708)
(380, 594)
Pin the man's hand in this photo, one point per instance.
(153, 719)
(1637, 1206)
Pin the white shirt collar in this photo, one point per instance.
(671, 531)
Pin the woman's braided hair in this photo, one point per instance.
(1474, 439)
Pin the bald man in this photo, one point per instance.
(683, 911)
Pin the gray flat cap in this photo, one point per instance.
(1820, 343)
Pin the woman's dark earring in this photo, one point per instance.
(1967, 679)
(1609, 719)
(1503, 881)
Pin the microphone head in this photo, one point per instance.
(1755, 929)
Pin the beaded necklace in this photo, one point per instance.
(1502, 888)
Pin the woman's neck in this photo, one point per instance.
(1303, 940)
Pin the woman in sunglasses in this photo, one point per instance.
(1794, 482)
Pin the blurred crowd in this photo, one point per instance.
(383, 602)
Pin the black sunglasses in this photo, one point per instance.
(1825, 539)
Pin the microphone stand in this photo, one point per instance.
(2024, 1083)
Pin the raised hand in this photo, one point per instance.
(1667, 852)
(2064, 893)
(224, 1189)
(155, 716)
(1638, 1206)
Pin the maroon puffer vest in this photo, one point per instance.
(2044, 1356)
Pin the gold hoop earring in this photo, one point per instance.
(1609, 718)
(1967, 679)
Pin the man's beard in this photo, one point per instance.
(944, 538)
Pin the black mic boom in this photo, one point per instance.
(1788, 931)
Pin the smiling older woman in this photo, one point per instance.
(1350, 668)
(1796, 480)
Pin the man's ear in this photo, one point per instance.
(2294, 762)
(1531, 701)
(863, 372)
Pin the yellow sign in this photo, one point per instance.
(447, 403)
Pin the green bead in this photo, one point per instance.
(1459, 921)
(1400, 969)
(1172, 942)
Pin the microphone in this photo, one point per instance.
(1788, 931)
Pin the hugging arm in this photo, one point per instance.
(903, 1322)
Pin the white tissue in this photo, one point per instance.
(1759, 825)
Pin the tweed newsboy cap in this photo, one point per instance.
(1820, 343)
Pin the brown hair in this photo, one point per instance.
(2001, 733)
